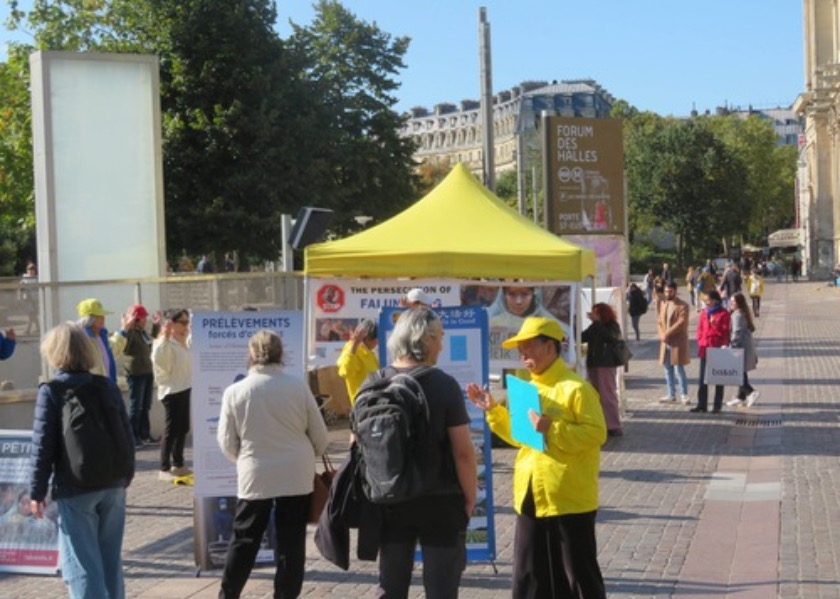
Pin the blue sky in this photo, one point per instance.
(660, 55)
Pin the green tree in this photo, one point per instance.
(683, 178)
(17, 216)
(366, 166)
(770, 172)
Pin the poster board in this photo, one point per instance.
(27, 544)
(338, 305)
(220, 357)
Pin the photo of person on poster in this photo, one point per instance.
(514, 303)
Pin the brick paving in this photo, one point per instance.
(745, 503)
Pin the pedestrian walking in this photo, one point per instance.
(637, 307)
(755, 289)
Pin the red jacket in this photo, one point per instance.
(713, 331)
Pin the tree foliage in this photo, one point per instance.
(254, 126)
(682, 178)
(366, 165)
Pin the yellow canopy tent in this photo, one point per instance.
(459, 230)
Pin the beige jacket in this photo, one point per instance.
(673, 323)
(272, 428)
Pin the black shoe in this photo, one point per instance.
(715, 410)
(151, 441)
(697, 410)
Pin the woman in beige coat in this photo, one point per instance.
(672, 325)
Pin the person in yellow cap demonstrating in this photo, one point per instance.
(555, 491)
(358, 358)
(93, 320)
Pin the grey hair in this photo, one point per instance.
(411, 333)
(67, 347)
(369, 327)
(87, 321)
(265, 347)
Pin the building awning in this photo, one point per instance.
(785, 238)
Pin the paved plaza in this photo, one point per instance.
(745, 503)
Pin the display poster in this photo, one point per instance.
(464, 357)
(27, 544)
(585, 166)
(611, 258)
(338, 305)
(220, 358)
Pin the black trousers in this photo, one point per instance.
(177, 425)
(249, 526)
(556, 557)
(756, 304)
(703, 390)
(439, 524)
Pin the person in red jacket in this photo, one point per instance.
(712, 331)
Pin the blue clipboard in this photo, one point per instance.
(523, 396)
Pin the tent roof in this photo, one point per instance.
(459, 230)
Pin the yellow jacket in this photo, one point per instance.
(564, 477)
(354, 366)
(759, 290)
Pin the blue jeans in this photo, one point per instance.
(669, 375)
(140, 402)
(91, 529)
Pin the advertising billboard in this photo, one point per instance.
(585, 182)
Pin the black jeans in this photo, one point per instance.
(555, 557)
(634, 318)
(175, 431)
(249, 526)
(703, 390)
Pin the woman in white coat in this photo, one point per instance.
(271, 426)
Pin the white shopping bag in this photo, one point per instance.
(725, 366)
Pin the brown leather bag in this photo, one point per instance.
(321, 490)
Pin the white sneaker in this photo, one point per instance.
(752, 398)
(181, 471)
(685, 400)
(166, 476)
(735, 401)
(667, 399)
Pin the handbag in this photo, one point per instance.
(724, 366)
(321, 490)
(621, 353)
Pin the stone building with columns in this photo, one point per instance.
(818, 185)
(451, 133)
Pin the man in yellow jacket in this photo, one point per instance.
(358, 358)
(555, 491)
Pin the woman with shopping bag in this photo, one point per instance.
(713, 330)
(742, 336)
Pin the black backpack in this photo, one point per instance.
(390, 422)
(97, 449)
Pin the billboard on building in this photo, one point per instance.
(585, 182)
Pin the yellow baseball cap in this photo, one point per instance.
(534, 326)
(91, 307)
